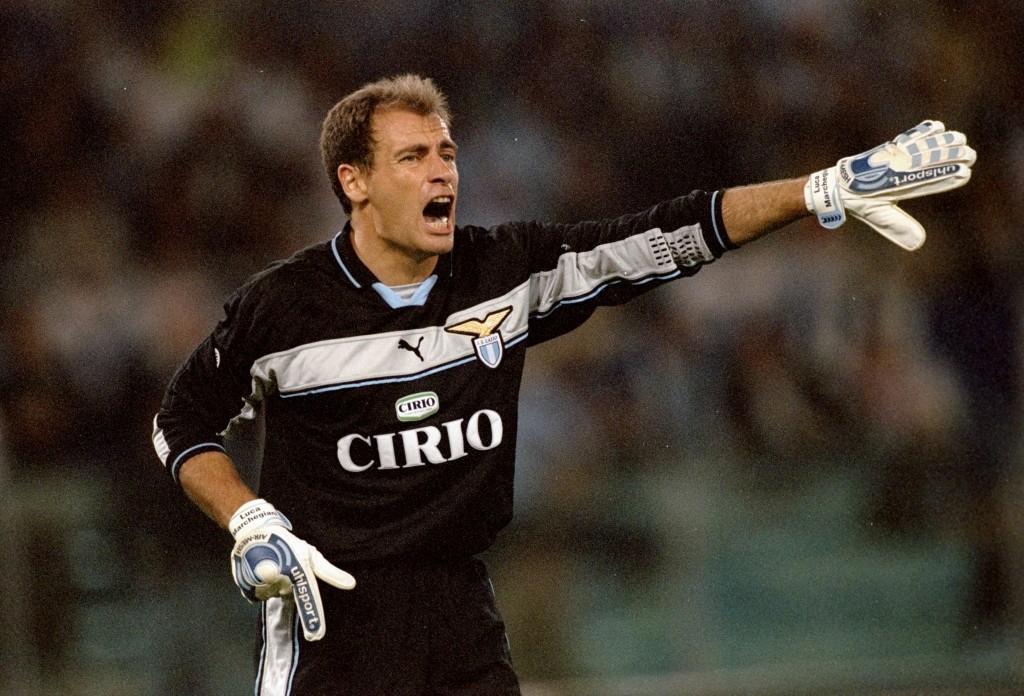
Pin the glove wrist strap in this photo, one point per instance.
(821, 195)
(254, 514)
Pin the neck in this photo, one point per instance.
(391, 265)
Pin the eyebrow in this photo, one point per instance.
(420, 148)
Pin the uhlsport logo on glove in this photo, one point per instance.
(304, 598)
(911, 177)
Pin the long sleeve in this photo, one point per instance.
(574, 269)
(210, 389)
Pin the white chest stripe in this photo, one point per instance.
(388, 357)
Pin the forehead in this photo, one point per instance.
(395, 128)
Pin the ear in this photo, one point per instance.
(353, 183)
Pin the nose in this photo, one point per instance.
(441, 170)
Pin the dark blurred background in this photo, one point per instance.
(798, 472)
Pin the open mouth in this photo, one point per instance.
(438, 211)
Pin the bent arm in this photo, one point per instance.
(211, 481)
(749, 212)
(207, 394)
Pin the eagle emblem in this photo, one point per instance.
(487, 340)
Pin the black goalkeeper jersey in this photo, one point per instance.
(391, 424)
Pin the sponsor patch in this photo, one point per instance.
(417, 406)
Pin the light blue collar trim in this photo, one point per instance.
(418, 298)
(337, 257)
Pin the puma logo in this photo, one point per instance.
(405, 345)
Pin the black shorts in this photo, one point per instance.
(410, 629)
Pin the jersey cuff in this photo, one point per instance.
(175, 466)
(715, 235)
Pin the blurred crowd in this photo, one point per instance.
(154, 155)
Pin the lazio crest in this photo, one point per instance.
(487, 341)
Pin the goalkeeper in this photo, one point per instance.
(387, 360)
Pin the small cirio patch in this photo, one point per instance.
(416, 407)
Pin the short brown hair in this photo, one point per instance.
(347, 135)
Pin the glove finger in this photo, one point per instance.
(281, 587)
(330, 573)
(306, 590)
(273, 582)
(915, 185)
(922, 130)
(889, 221)
(307, 602)
(934, 151)
(946, 148)
(268, 571)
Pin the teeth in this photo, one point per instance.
(439, 223)
(442, 199)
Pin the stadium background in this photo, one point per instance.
(798, 472)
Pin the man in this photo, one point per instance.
(387, 362)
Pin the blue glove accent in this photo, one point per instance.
(274, 549)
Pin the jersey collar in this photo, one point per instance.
(361, 277)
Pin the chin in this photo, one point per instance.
(439, 242)
(443, 245)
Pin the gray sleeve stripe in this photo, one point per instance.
(636, 259)
(598, 290)
(688, 247)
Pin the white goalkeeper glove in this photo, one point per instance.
(926, 159)
(269, 561)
